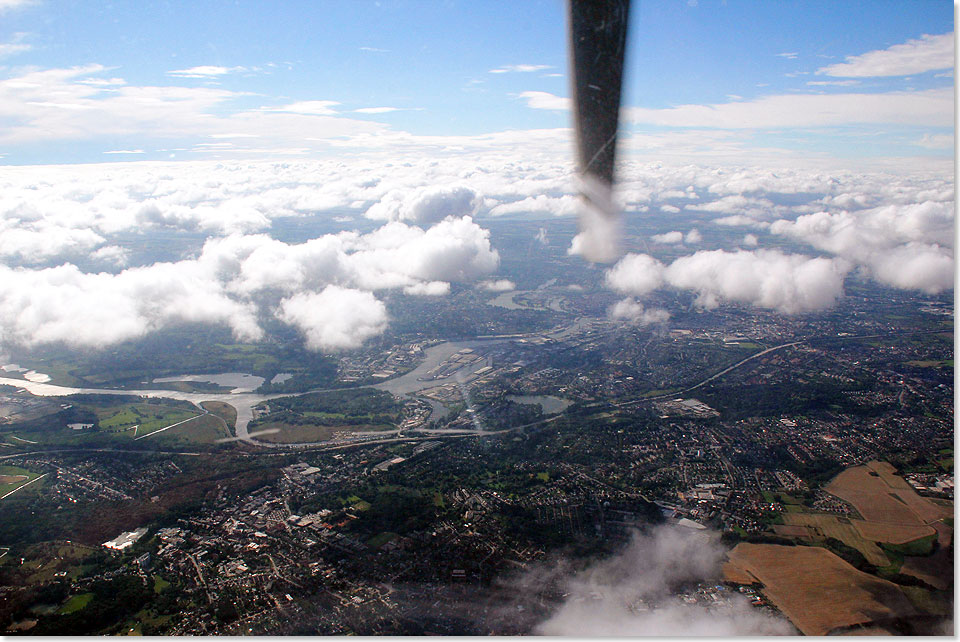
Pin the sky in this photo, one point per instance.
(809, 81)
(406, 127)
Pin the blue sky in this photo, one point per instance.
(218, 80)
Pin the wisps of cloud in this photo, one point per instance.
(7, 5)
(634, 593)
(15, 46)
(376, 110)
(506, 69)
(926, 53)
(931, 107)
(204, 71)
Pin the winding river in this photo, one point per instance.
(244, 400)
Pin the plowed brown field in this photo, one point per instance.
(815, 589)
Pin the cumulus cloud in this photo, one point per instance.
(906, 246)
(500, 285)
(788, 283)
(232, 279)
(693, 237)
(926, 53)
(42, 241)
(112, 254)
(897, 228)
(668, 237)
(636, 274)
(633, 593)
(545, 100)
(541, 236)
(63, 304)
(336, 318)
(751, 240)
(634, 313)
(426, 205)
(565, 205)
(430, 288)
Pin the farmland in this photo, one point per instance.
(881, 496)
(834, 597)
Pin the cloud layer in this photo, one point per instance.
(72, 235)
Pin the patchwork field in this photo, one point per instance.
(881, 496)
(836, 595)
(839, 528)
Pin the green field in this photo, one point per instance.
(76, 603)
(223, 410)
(11, 472)
(284, 433)
(160, 584)
(379, 540)
(140, 419)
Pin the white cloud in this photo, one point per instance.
(931, 107)
(770, 279)
(600, 600)
(565, 205)
(376, 110)
(71, 213)
(545, 100)
(927, 53)
(693, 237)
(500, 285)
(790, 55)
(6, 5)
(63, 304)
(432, 288)
(426, 205)
(204, 71)
(636, 274)
(751, 240)
(832, 83)
(634, 313)
(788, 283)
(15, 46)
(519, 69)
(112, 254)
(308, 107)
(336, 318)
(73, 104)
(125, 151)
(668, 237)
(935, 141)
(906, 246)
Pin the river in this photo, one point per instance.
(244, 400)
